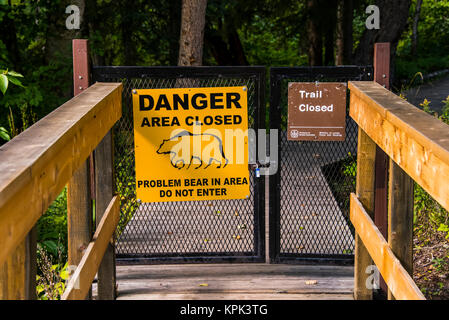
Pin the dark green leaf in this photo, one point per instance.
(3, 83)
(51, 247)
(15, 81)
(15, 74)
(4, 134)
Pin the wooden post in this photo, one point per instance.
(400, 217)
(79, 201)
(381, 76)
(81, 81)
(382, 64)
(366, 154)
(18, 273)
(104, 176)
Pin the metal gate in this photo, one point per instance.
(190, 231)
(309, 194)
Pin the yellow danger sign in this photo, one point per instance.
(191, 144)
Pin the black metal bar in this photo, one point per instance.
(317, 259)
(335, 72)
(259, 199)
(188, 259)
(275, 183)
(100, 72)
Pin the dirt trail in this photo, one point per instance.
(435, 91)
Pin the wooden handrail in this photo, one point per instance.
(418, 147)
(36, 165)
(413, 139)
(398, 280)
(81, 280)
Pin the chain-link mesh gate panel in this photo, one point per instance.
(314, 179)
(195, 229)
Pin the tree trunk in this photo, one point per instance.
(92, 24)
(9, 38)
(329, 58)
(226, 47)
(58, 46)
(415, 27)
(344, 41)
(393, 20)
(59, 38)
(237, 48)
(315, 51)
(192, 32)
(218, 48)
(329, 21)
(175, 7)
(348, 31)
(126, 28)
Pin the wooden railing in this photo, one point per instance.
(418, 147)
(34, 168)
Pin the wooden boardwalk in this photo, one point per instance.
(234, 282)
(311, 220)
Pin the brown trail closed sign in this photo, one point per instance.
(191, 143)
(316, 111)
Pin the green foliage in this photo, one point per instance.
(439, 265)
(135, 32)
(52, 228)
(407, 67)
(125, 181)
(444, 228)
(52, 250)
(4, 134)
(433, 42)
(7, 76)
(437, 216)
(426, 106)
(434, 27)
(264, 42)
(51, 278)
(349, 166)
(445, 111)
(25, 48)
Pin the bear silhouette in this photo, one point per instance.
(179, 161)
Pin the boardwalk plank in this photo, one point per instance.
(234, 281)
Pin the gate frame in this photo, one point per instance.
(258, 73)
(312, 73)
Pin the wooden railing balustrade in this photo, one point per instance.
(417, 145)
(35, 167)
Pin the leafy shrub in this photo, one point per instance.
(52, 228)
(126, 186)
(51, 279)
(52, 250)
(437, 216)
(407, 67)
